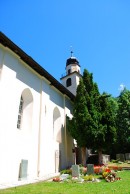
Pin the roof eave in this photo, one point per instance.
(4, 40)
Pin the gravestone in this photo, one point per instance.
(105, 158)
(120, 157)
(127, 156)
(90, 169)
(57, 160)
(75, 171)
(23, 169)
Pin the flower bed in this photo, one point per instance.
(110, 175)
(116, 168)
(56, 179)
(107, 173)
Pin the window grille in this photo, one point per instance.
(20, 113)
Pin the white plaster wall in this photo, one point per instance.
(37, 145)
(73, 86)
(73, 68)
(77, 81)
(48, 142)
(17, 144)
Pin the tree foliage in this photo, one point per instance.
(107, 126)
(78, 125)
(123, 121)
(93, 124)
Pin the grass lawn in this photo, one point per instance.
(103, 187)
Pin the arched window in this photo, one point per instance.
(69, 71)
(57, 125)
(20, 113)
(68, 82)
(25, 110)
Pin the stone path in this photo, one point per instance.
(25, 182)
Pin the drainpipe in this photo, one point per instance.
(39, 132)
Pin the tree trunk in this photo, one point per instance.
(83, 152)
(100, 156)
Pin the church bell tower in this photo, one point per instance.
(71, 79)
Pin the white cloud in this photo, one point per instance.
(121, 88)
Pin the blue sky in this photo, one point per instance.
(97, 30)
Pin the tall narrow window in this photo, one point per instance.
(69, 71)
(20, 113)
(68, 82)
(57, 125)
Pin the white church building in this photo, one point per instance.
(34, 140)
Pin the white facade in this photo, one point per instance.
(74, 82)
(42, 139)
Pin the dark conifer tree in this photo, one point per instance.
(78, 126)
(106, 134)
(93, 124)
(123, 122)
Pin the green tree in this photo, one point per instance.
(85, 115)
(106, 134)
(123, 121)
(93, 122)
(101, 109)
(78, 126)
(112, 148)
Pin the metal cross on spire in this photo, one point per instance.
(71, 51)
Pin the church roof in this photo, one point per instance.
(4, 40)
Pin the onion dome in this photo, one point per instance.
(72, 60)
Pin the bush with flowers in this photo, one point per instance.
(105, 172)
(56, 179)
(83, 170)
(110, 175)
(98, 169)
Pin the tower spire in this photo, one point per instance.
(71, 79)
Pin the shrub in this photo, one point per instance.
(88, 178)
(97, 169)
(83, 170)
(115, 161)
(66, 171)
